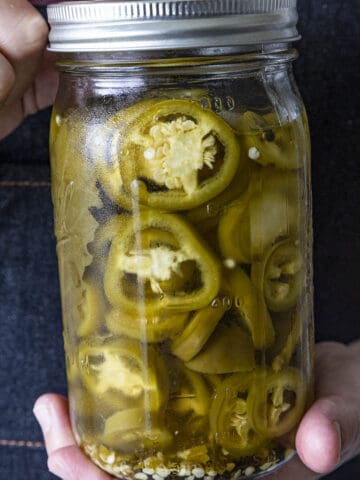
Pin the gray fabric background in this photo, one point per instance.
(31, 352)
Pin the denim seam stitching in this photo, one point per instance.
(21, 443)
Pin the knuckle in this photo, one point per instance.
(36, 31)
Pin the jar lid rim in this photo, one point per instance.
(78, 26)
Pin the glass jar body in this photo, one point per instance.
(183, 221)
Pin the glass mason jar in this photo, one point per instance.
(181, 189)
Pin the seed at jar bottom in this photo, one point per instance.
(140, 476)
(171, 467)
(249, 471)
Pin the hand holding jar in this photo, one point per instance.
(181, 190)
(28, 81)
(327, 436)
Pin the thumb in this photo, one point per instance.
(329, 434)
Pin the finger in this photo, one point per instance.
(328, 434)
(23, 38)
(46, 82)
(338, 385)
(40, 94)
(336, 370)
(70, 463)
(51, 411)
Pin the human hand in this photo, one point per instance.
(28, 81)
(65, 459)
(329, 433)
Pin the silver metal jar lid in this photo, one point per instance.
(169, 24)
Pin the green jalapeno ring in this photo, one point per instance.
(280, 275)
(183, 191)
(230, 423)
(192, 249)
(273, 412)
(116, 365)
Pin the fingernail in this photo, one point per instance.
(43, 416)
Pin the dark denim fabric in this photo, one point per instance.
(31, 351)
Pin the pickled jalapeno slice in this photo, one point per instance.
(266, 212)
(282, 359)
(280, 275)
(211, 210)
(234, 232)
(135, 428)
(187, 411)
(188, 406)
(191, 393)
(276, 401)
(229, 349)
(103, 146)
(249, 302)
(92, 409)
(146, 328)
(146, 280)
(272, 217)
(178, 155)
(117, 366)
(267, 142)
(90, 309)
(194, 336)
(230, 422)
